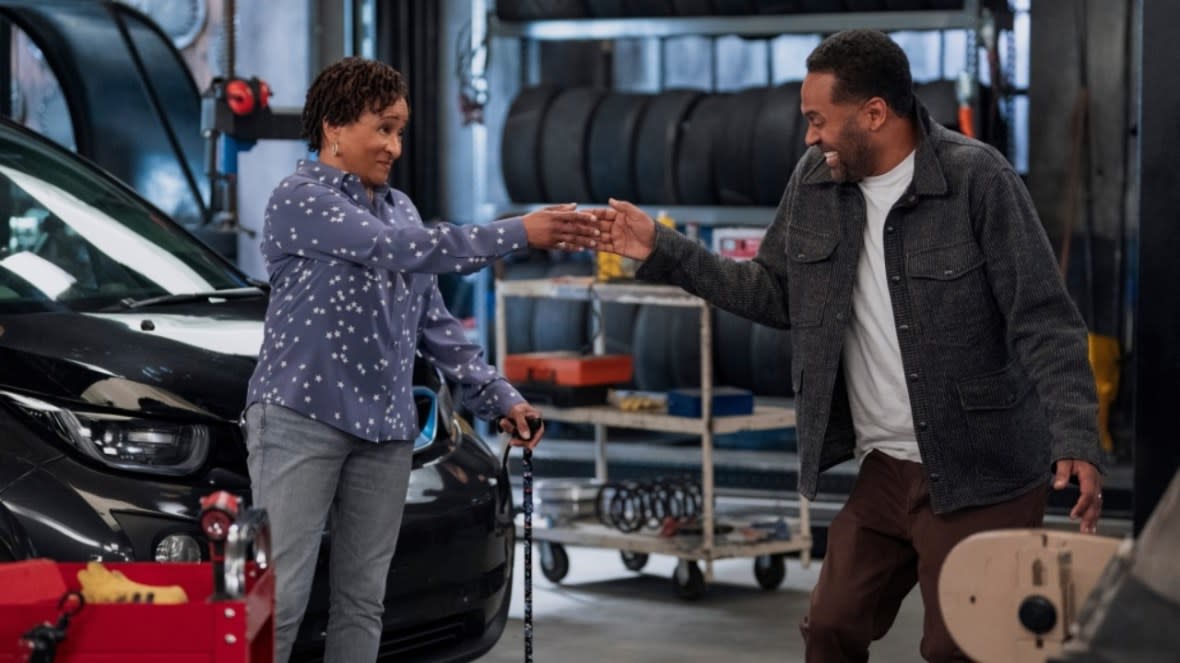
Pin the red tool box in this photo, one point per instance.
(568, 369)
(228, 618)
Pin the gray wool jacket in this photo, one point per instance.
(994, 349)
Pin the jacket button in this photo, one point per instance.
(935, 476)
(800, 256)
(913, 377)
(922, 425)
(895, 278)
(903, 328)
(840, 315)
(888, 229)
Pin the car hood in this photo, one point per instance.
(171, 360)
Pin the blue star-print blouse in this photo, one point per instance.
(354, 293)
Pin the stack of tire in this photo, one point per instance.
(531, 10)
(677, 147)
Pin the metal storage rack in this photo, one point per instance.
(689, 580)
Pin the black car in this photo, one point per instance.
(125, 349)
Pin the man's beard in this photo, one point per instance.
(855, 155)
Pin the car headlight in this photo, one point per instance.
(123, 441)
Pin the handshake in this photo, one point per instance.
(620, 228)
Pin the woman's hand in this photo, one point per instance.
(516, 424)
(561, 227)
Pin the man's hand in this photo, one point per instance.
(561, 227)
(1089, 504)
(626, 230)
(516, 424)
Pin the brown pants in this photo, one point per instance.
(884, 540)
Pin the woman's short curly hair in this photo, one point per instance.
(345, 90)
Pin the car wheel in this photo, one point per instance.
(555, 563)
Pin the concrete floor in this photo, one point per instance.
(603, 612)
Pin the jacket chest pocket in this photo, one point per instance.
(810, 261)
(951, 291)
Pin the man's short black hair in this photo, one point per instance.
(866, 64)
(345, 90)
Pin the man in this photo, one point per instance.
(933, 339)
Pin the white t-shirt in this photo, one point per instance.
(873, 370)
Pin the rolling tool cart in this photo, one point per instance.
(710, 542)
(227, 613)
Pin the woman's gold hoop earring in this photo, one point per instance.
(336, 149)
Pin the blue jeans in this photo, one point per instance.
(300, 470)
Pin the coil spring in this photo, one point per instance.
(629, 506)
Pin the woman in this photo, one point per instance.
(330, 419)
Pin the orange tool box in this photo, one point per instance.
(568, 369)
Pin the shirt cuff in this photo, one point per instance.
(497, 399)
(515, 238)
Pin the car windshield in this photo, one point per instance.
(71, 239)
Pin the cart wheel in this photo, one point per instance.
(770, 570)
(555, 563)
(634, 561)
(689, 581)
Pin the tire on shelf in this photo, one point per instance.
(520, 145)
(770, 350)
(537, 10)
(822, 6)
(940, 99)
(734, 162)
(620, 326)
(732, 7)
(607, 8)
(776, 142)
(684, 347)
(650, 8)
(652, 369)
(778, 6)
(733, 363)
(614, 130)
(560, 324)
(659, 139)
(693, 7)
(564, 143)
(696, 182)
(518, 311)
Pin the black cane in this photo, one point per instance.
(526, 475)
